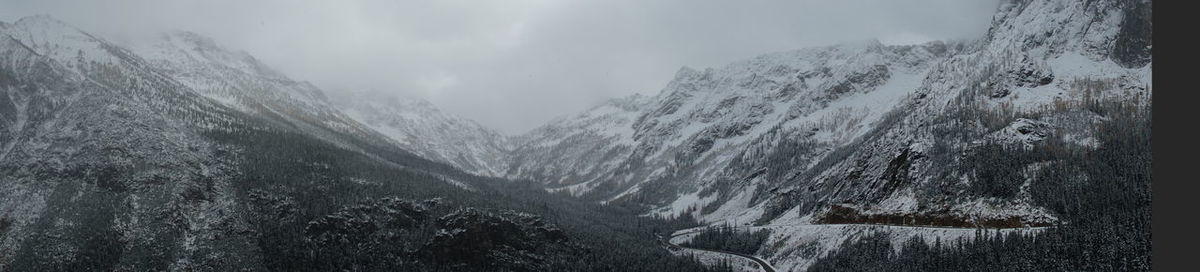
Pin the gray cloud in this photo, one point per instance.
(514, 64)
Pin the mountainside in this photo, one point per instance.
(735, 132)
(955, 134)
(96, 141)
(666, 150)
(568, 151)
(420, 127)
(239, 81)
(189, 157)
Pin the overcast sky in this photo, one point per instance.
(514, 64)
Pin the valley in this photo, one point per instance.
(1027, 147)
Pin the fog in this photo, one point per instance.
(514, 64)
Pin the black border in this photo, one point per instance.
(1174, 95)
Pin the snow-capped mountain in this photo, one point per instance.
(569, 150)
(682, 141)
(418, 126)
(865, 129)
(724, 127)
(238, 80)
(188, 159)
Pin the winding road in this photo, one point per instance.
(761, 263)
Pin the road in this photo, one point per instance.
(761, 263)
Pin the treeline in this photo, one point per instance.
(1006, 252)
(728, 238)
(845, 215)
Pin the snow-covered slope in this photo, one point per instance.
(681, 141)
(420, 127)
(92, 135)
(111, 161)
(1042, 80)
(240, 81)
(569, 151)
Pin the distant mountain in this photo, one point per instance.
(240, 81)
(418, 126)
(568, 151)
